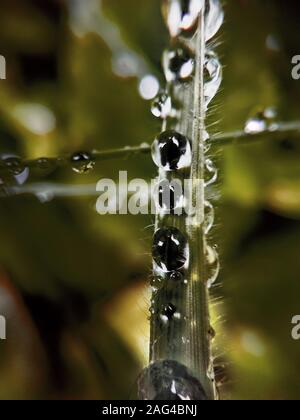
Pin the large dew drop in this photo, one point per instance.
(181, 15)
(171, 151)
(170, 249)
(167, 380)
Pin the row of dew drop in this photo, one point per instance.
(172, 151)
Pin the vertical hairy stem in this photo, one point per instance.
(180, 341)
(198, 313)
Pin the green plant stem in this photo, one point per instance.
(197, 292)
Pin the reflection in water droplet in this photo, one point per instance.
(178, 64)
(171, 151)
(168, 380)
(213, 76)
(181, 15)
(162, 106)
(214, 18)
(212, 170)
(170, 249)
(209, 217)
(213, 265)
(82, 162)
(262, 121)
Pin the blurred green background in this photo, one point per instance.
(73, 284)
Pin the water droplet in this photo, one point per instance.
(14, 165)
(262, 121)
(213, 265)
(154, 289)
(209, 217)
(176, 276)
(178, 64)
(256, 124)
(15, 168)
(167, 313)
(82, 162)
(213, 172)
(168, 380)
(157, 282)
(46, 165)
(185, 340)
(213, 76)
(214, 18)
(152, 310)
(162, 106)
(170, 249)
(171, 151)
(182, 15)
